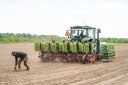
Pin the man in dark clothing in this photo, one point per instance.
(81, 34)
(19, 57)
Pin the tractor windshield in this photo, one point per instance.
(74, 33)
(78, 33)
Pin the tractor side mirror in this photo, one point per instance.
(67, 34)
(99, 30)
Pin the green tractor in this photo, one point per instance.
(82, 45)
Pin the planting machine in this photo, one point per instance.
(82, 45)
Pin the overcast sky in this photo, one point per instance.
(54, 17)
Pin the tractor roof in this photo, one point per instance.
(82, 27)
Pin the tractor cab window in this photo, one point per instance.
(91, 33)
(74, 33)
(82, 33)
(78, 33)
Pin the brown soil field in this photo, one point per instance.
(58, 73)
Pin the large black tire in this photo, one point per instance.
(83, 59)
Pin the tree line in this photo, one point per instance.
(32, 38)
(114, 40)
(27, 38)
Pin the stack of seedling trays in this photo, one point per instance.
(107, 51)
(72, 48)
(37, 46)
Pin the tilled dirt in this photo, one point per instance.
(58, 73)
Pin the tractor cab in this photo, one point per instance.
(82, 33)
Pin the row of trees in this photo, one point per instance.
(18, 38)
(114, 40)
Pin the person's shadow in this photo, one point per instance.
(20, 70)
